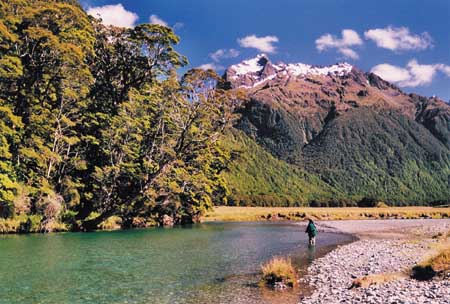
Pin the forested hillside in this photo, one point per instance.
(360, 136)
(95, 123)
(257, 178)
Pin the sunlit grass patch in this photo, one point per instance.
(376, 279)
(279, 270)
(437, 265)
(441, 263)
(227, 213)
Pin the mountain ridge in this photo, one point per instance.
(330, 120)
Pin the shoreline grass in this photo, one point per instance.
(438, 263)
(279, 271)
(377, 279)
(252, 214)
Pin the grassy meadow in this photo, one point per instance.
(230, 214)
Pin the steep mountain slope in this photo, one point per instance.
(360, 134)
(380, 154)
(258, 178)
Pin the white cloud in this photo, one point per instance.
(444, 69)
(391, 73)
(154, 19)
(413, 75)
(342, 45)
(210, 66)
(263, 44)
(224, 54)
(399, 39)
(115, 15)
(349, 53)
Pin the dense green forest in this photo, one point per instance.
(347, 180)
(96, 126)
(383, 155)
(96, 123)
(269, 181)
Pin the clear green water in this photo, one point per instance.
(205, 263)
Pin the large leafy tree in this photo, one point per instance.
(8, 183)
(10, 71)
(125, 60)
(46, 44)
(95, 122)
(160, 151)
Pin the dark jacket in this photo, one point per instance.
(311, 229)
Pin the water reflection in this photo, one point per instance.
(207, 263)
(311, 253)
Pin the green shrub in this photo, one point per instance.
(314, 204)
(21, 224)
(367, 202)
(111, 223)
(69, 218)
(30, 223)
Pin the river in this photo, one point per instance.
(204, 263)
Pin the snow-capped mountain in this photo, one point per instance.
(361, 134)
(259, 70)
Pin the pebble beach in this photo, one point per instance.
(384, 246)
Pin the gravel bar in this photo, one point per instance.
(384, 246)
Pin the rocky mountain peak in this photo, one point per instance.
(259, 70)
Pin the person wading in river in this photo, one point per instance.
(311, 230)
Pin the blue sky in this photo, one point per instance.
(404, 41)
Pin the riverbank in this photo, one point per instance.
(386, 251)
(249, 214)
